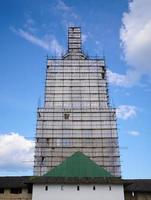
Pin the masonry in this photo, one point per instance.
(136, 189)
(76, 115)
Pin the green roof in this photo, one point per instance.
(78, 165)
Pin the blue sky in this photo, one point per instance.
(118, 30)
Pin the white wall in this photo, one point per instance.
(86, 192)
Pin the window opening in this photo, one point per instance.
(1, 190)
(29, 190)
(61, 187)
(15, 190)
(66, 116)
(78, 187)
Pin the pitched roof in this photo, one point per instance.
(14, 181)
(78, 165)
(137, 185)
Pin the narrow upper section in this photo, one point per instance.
(74, 40)
(78, 165)
(74, 44)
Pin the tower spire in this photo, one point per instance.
(74, 40)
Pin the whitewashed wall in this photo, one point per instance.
(85, 192)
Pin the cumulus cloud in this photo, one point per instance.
(134, 133)
(51, 45)
(117, 79)
(126, 111)
(135, 38)
(126, 80)
(16, 153)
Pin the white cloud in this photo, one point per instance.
(66, 10)
(117, 79)
(84, 37)
(51, 45)
(136, 44)
(135, 36)
(30, 24)
(56, 47)
(134, 133)
(16, 152)
(67, 14)
(127, 80)
(63, 7)
(31, 38)
(126, 112)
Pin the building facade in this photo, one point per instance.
(76, 115)
(18, 188)
(78, 177)
(84, 192)
(15, 188)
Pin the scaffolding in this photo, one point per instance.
(76, 115)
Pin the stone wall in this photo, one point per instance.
(137, 196)
(8, 195)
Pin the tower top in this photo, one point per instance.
(74, 40)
